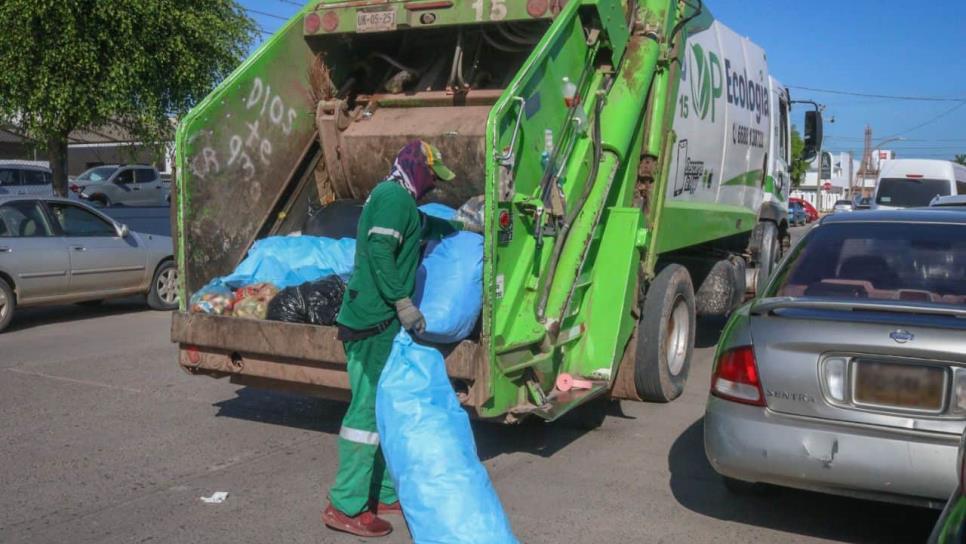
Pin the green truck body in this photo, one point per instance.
(564, 114)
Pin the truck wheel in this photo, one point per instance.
(164, 288)
(768, 255)
(665, 336)
(7, 304)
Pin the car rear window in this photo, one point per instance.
(910, 192)
(916, 262)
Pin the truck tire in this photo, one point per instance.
(665, 336)
(768, 255)
(161, 297)
(7, 304)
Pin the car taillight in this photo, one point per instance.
(736, 378)
(74, 188)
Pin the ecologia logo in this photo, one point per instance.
(746, 93)
(706, 80)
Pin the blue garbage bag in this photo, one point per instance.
(441, 211)
(425, 435)
(287, 261)
(453, 270)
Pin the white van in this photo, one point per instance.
(912, 183)
(25, 178)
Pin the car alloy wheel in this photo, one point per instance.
(167, 286)
(5, 306)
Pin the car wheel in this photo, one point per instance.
(768, 255)
(164, 289)
(665, 336)
(7, 304)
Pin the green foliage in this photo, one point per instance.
(75, 64)
(960, 159)
(798, 166)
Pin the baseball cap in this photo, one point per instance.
(434, 159)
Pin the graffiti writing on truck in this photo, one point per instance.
(250, 148)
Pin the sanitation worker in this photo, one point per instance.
(377, 302)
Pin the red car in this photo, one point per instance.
(810, 210)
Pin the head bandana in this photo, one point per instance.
(412, 170)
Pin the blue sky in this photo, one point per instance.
(885, 47)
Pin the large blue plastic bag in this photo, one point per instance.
(449, 287)
(286, 261)
(453, 267)
(436, 209)
(445, 491)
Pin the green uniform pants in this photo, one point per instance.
(362, 475)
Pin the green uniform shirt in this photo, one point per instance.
(388, 247)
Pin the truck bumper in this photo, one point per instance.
(304, 358)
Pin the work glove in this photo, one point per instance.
(409, 315)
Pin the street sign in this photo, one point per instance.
(827, 186)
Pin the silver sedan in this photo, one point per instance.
(848, 374)
(59, 251)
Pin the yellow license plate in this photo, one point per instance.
(376, 21)
(909, 387)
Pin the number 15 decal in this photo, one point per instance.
(497, 9)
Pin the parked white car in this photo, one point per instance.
(19, 178)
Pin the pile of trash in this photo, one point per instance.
(302, 279)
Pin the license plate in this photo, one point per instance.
(909, 387)
(376, 21)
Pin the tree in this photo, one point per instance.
(797, 169)
(960, 159)
(138, 63)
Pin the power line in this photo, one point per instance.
(929, 122)
(291, 3)
(265, 14)
(885, 96)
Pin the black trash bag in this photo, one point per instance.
(339, 219)
(315, 302)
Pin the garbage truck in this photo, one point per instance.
(633, 157)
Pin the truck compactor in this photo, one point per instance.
(633, 157)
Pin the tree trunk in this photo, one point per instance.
(57, 149)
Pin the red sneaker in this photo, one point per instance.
(365, 524)
(392, 509)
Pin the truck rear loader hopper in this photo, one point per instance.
(559, 112)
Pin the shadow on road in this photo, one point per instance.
(25, 318)
(289, 409)
(697, 487)
(313, 414)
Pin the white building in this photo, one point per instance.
(837, 171)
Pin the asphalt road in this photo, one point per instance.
(105, 440)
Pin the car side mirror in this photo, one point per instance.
(122, 230)
(813, 135)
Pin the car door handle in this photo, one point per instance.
(5, 250)
(78, 248)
